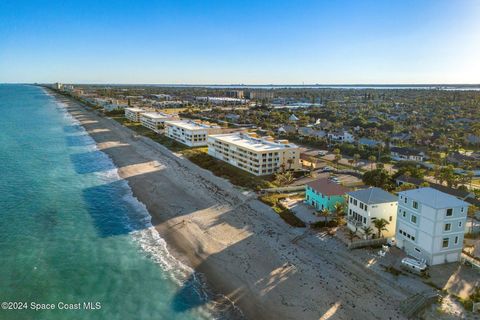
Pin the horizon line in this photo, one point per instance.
(253, 85)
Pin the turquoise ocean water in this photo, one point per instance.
(70, 229)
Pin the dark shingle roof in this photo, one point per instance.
(328, 187)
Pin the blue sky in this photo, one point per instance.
(233, 42)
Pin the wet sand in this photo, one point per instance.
(246, 252)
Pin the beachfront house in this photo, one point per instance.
(406, 154)
(254, 154)
(431, 225)
(324, 194)
(340, 136)
(154, 120)
(133, 114)
(189, 132)
(367, 205)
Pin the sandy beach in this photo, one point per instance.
(246, 252)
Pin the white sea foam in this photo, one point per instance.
(146, 236)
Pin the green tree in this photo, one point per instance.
(380, 225)
(324, 213)
(367, 231)
(379, 178)
(339, 210)
(372, 160)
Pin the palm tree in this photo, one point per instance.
(356, 157)
(367, 231)
(324, 213)
(381, 225)
(290, 162)
(338, 156)
(372, 160)
(339, 210)
(351, 235)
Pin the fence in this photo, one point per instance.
(367, 243)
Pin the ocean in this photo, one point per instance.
(74, 242)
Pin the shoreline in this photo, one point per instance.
(241, 246)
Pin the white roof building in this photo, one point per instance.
(257, 155)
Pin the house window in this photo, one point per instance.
(413, 218)
(366, 207)
(400, 231)
(351, 200)
(460, 224)
(418, 250)
(361, 205)
(462, 209)
(405, 199)
(456, 240)
(364, 220)
(445, 243)
(448, 227)
(404, 214)
(390, 218)
(449, 212)
(413, 238)
(415, 204)
(355, 202)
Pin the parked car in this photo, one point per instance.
(327, 169)
(414, 266)
(322, 153)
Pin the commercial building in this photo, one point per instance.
(133, 114)
(235, 94)
(260, 95)
(154, 120)
(254, 154)
(324, 194)
(190, 133)
(431, 225)
(367, 205)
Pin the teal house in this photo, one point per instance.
(324, 193)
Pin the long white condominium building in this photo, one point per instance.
(154, 120)
(190, 133)
(133, 114)
(431, 225)
(259, 156)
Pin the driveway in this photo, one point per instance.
(303, 211)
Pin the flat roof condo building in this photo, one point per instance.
(190, 133)
(431, 225)
(367, 205)
(133, 114)
(154, 120)
(257, 155)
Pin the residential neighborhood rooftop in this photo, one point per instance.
(328, 187)
(373, 196)
(433, 198)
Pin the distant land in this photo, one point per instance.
(306, 86)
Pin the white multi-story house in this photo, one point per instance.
(431, 225)
(340, 136)
(257, 155)
(406, 154)
(154, 120)
(133, 114)
(367, 205)
(190, 133)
